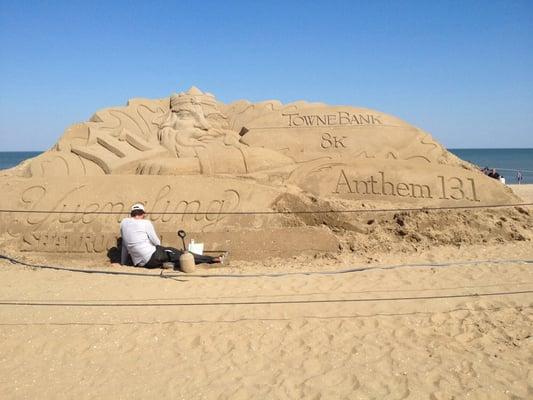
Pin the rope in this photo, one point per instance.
(356, 269)
(253, 303)
(85, 271)
(270, 212)
(275, 275)
(237, 320)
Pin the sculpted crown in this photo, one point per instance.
(193, 96)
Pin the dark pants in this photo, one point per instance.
(165, 254)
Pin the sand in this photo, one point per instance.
(372, 302)
(442, 322)
(410, 332)
(524, 191)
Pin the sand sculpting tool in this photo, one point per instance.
(186, 259)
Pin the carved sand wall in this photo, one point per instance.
(207, 167)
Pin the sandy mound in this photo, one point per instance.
(374, 232)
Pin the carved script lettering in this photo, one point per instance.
(71, 209)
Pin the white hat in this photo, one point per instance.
(137, 206)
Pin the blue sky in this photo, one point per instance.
(460, 70)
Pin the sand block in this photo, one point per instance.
(267, 242)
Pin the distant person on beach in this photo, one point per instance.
(140, 241)
(519, 177)
(494, 174)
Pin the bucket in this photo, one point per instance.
(196, 248)
(187, 262)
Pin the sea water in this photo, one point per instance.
(506, 161)
(9, 159)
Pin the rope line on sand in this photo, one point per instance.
(264, 295)
(351, 270)
(84, 271)
(269, 212)
(253, 303)
(248, 319)
(175, 276)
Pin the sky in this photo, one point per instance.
(460, 70)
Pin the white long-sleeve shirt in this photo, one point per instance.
(138, 239)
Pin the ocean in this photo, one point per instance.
(9, 159)
(506, 161)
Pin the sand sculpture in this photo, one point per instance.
(209, 163)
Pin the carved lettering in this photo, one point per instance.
(91, 208)
(299, 121)
(365, 119)
(344, 117)
(402, 189)
(338, 119)
(359, 184)
(452, 188)
(72, 242)
(168, 205)
(420, 191)
(343, 183)
(111, 207)
(373, 182)
(290, 116)
(326, 141)
(160, 205)
(308, 119)
(385, 184)
(330, 141)
(380, 185)
(320, 120)
(337, 142)
(456, 189)
(30, 241)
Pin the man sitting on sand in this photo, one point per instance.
(140, 241)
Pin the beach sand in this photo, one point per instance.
(524, 191)
(426, 324)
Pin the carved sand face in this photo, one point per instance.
(190, 116)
